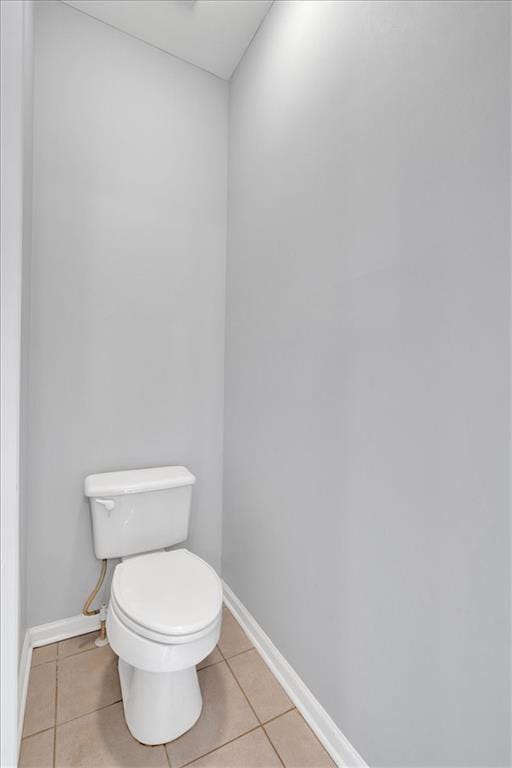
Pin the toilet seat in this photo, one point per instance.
(169, 597)
(159, 637)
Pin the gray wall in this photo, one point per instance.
(366, 439)
(128, 282)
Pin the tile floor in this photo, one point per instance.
(74, 714)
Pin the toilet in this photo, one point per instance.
(165, 608)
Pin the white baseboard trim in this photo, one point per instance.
(336, 744)
(45, 634)
(61, 630)
(23, 675)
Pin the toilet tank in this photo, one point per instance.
(139, 510)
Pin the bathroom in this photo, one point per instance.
(269, 243)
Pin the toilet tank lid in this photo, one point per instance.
(137, 481)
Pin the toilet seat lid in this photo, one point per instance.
(174, 593)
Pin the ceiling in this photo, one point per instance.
(212, 34)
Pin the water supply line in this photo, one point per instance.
(102, 611)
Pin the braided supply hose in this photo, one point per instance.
(102, 611)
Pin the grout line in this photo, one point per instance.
(56, 662)
(257, 716)
(207, 666)
(65, 722)
(220, 649)
(263, 722)
(210, 751)
(86, 714)
(260, 723)
(38, 733)
(41, 664)
(273, 746)
(276, 717)
(78, 653)
(75, 653)
(240, 685)
(244, 693)
(302, 718)
(239, 653)
(247, 698)
(55, 713)
(167, 755)
(213, 663)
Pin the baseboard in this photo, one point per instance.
(45, 634)
(23, 675)
(336, 744)
(62, 629)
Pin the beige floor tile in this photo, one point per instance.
(40, 708)
(212, 658)
(226, 715)
(87, 681)
(102, 740)
(232, 637)
(37, 751)
(77, 644)
(253, 750)
(44, 653)
(296, 743)
(266, 696)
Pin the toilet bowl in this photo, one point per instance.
(164, 618)
(165, 609)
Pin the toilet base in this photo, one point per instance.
(159, 706)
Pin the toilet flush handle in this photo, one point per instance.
(107, 503)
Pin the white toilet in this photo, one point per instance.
(165, 607)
